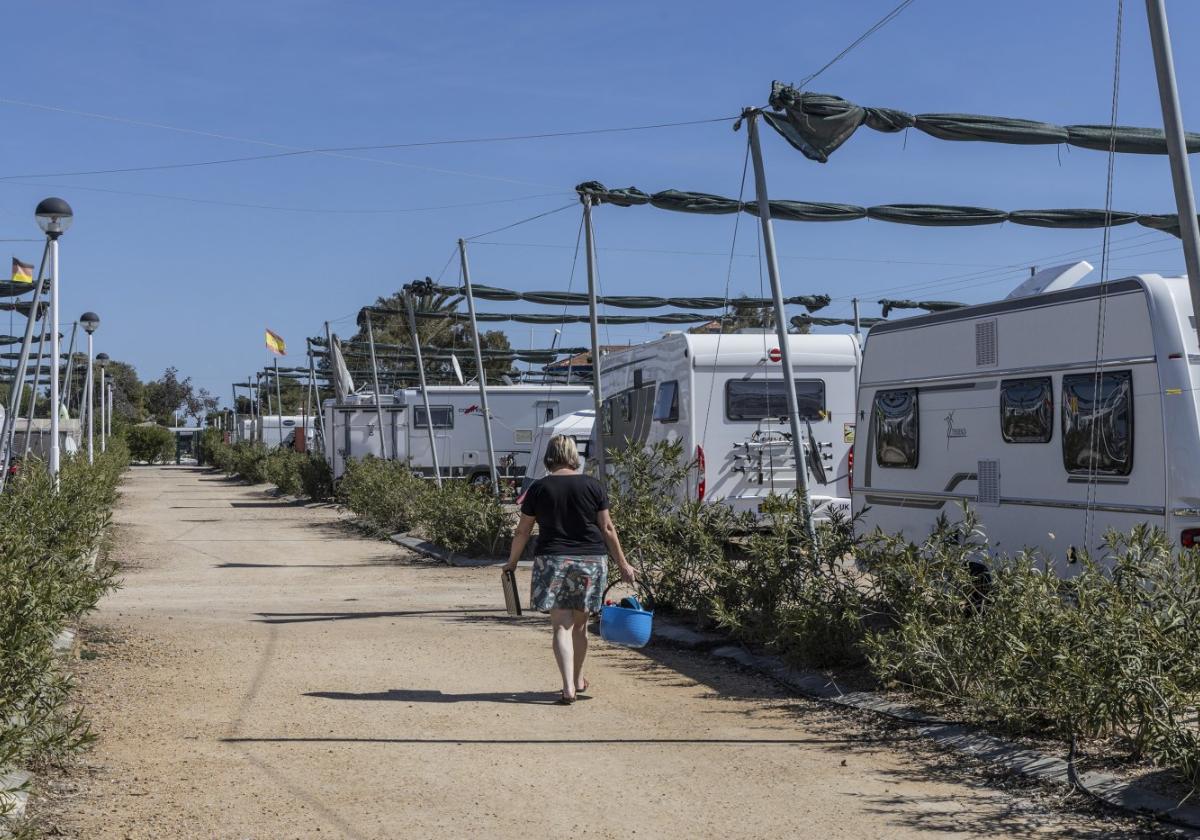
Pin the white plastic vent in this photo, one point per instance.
(985, 343)
(989, 482)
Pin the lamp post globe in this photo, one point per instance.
(90, 321)
(54, 216)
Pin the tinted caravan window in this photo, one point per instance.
(443, 417)
(1097, 422)
(666, 404)
(1027, 410)
(897, 428)
(758, 399)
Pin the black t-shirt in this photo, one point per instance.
(565, 507)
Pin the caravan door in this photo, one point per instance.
(418, 437)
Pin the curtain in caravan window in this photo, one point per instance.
(897, 428)
(443, 417)
(1097, 416)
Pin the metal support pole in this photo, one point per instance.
(37, 379)
(483, 399)
(89, 401)
(55, 457)
(857, 326)
(412, 327)
(383, 452)
(111, 390)
(103, 411)
(234, 430)
(597, 396)
(1181, 177)
(279, 401)
(66, 382)
(18, 383)
(768, 234)
(320, 415)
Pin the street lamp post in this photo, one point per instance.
(54, 216)
(89, 321)
(102, 360)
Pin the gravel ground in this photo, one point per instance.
(266, 672)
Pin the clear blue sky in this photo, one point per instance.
(183, 276)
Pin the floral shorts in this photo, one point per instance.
(568, 582)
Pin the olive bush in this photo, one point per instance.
(150, 444)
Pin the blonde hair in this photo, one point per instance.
(561, 452)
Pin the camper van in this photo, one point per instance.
(516, 410)
(1057, 414)
(577, 425)
(723, 398)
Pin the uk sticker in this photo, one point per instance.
(847, 433)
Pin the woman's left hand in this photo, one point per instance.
(628, 574)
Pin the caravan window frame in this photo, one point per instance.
(1047, 385)
(672, 413)
(821, 414)
(1071, 434)
(419, 410)
(912, 449)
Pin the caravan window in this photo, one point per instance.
(1097, 414)
(758, 399)
(443, 417)
(666, 404)
(1027, 410)
(897, 428)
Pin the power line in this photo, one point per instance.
(522, 221)
(882, 22)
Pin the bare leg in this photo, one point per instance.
(562, 622)
(580, 641)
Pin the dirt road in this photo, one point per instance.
(267, 673)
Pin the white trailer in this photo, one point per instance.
(577, 425)
(274, 431)
(517, 411)
(723, 397)
(1056, 415)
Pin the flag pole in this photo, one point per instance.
(412, 326)
(789, 380)
(597, 396)
(375, 382)
(18, 383)
(480, 370)
(279, 402)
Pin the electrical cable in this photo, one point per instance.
(882, 22)
(522, 221)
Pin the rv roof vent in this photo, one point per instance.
(989, 483)
(985, 343)
(1053, 279)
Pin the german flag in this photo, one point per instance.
(22, 272)
(275, 344)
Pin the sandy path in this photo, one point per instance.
(264, 673)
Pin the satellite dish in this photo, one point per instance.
(457, 368)
(1053, 279)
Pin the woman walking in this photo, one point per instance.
(576, 536)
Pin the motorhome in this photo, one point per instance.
(1058, 413)
(275, 431)
(723, 398)
(577, 425)
(516, 412)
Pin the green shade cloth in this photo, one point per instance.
(927, 305)
(810, 302)
(817, 124)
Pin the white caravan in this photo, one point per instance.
(274, 431)
(517, 410)
(723, 398)
(1057, 415)
(577, 425)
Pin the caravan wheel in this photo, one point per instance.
(481, 480)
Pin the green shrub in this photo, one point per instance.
(316, 478)
(207, 446)
(282, 469)
(249, 460)
(464, 518)
(150, 444)
(386, 495)
(47, 582)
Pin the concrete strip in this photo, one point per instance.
(440, 554)
(64, 642)
(13, 796)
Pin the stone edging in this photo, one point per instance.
(960, 738)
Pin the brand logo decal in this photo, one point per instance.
(953, 431)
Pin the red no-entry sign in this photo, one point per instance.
(774, 354)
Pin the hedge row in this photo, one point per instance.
(47, 583)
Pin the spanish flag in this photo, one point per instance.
(22, 272)
(275, 344)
